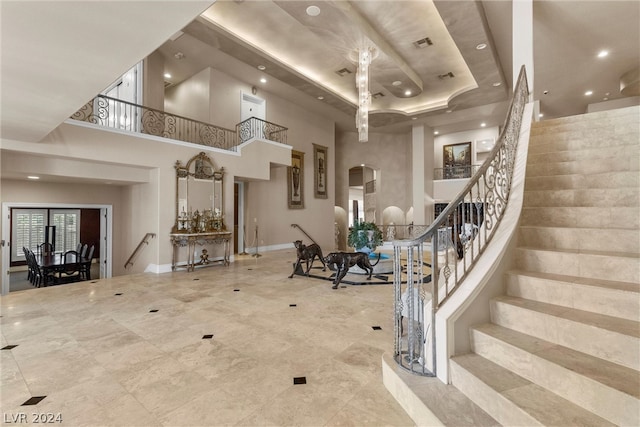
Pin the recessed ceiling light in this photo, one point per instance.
(436, 132)
(261, 67)
(313, 11)
(167, 75)
(496, 84)
(605, 99)
(541, 115)
(33, 177)
(607, 94)
(178, 55)
(483, 124)
(407, 92)
(603, 53)
(481, 46)
(263, 80)
(321, 97)
(396, 83)
(588, 93)
(414, 118)
(449, 111)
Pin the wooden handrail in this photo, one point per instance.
(145, 240)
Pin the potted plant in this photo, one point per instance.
(364, 236)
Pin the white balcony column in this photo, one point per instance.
(422, 143)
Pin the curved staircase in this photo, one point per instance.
(563, 345)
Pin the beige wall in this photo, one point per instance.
(389, 155)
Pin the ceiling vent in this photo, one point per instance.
(343, 72)
(448, 75)
(422, 43)
(377, 95)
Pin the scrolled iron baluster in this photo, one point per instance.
(153, 122)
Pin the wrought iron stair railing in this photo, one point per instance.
(117, 114)
(456, 240)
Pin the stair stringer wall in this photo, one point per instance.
(470, 303)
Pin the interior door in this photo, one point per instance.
(252, 106)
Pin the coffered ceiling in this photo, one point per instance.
(426, 56)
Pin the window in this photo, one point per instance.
(67, 223)
(28, 231)
(28, 228)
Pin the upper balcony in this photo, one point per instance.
(122, 115)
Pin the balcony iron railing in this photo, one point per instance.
(117, 114)
(257, 128)
(461, 233)
(455, 172)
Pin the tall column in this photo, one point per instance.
(422, 174)
(522, 35)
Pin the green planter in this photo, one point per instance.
(364, 236)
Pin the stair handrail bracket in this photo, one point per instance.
(456, 240)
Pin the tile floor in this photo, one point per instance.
(239, 345)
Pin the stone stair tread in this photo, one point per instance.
(584, 251)
(586, 281)
(615, 376)
(618, 325)
(546, 407)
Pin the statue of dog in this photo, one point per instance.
(342, 261)
(308, 254)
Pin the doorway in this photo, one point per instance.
(362, 194)
(100, 215)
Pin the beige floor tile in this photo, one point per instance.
(104, 359)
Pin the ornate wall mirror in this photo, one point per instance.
(199, 196)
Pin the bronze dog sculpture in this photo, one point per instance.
(308, 254)
(342, 261)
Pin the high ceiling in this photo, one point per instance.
(308, 52)
(57, 55)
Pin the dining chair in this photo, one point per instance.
(83, 251)
(69, 270)
(36, 275)
(45, 248)
(85, 270)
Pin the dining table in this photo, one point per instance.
(51, 263)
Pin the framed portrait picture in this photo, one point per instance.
(320, 171)
(456, 160)
(295, 181)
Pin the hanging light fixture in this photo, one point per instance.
(364, 96)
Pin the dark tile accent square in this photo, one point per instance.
(153, 311)
(33, 400)
(95, 281)
(249, 269)
(376, 328)
(236, 290)
(293, 305)
(207, 337)
(8, 347)
(196, 279)
(118, 294)
(299, 380)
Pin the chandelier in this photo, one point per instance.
(364, 95)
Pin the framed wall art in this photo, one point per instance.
(295, 181)
(320, 171)
(456, 160)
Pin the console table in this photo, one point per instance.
(190, 240)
